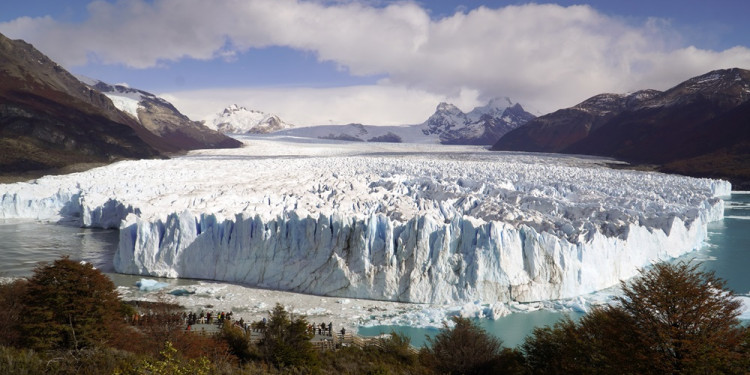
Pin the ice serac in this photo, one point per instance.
(393, 221)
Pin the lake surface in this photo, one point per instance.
(25, 243)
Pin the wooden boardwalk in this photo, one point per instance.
(322, 342)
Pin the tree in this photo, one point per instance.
(399, 347)
(464, 349)
(238, 342)
(558, 349)
(685, 320)
(69, 305)
(12, 297)
(286, 341)
(672, 319)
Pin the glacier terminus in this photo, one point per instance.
(400, 222)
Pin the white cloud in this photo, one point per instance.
(547, 56)
(381, 104)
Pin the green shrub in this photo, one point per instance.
(286, 342)
(464, 349)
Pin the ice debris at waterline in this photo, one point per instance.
(148, 285)
(400, 222)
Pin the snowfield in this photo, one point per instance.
(397, 222)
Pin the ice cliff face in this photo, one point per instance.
(383, 221)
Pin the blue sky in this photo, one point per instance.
(382, 62)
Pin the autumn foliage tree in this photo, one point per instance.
(467, 349)
(685, 320)
(672, 319)
(12, 297)
(69, 305)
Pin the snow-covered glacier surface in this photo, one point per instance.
(399, 222)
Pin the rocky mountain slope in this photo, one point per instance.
(49, 119)
(700, 127)
(161, 118)
(240, 120)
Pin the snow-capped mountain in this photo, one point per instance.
(363, 133)
(481, 126)
(448, 125)
(239, 120)
(160, 117)
(698, 128)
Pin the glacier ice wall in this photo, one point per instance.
(386, 222)
(420, 260)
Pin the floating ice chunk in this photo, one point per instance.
(181, 292)
(149, 285)
(745, 307)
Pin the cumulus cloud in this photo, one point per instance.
(546, 55)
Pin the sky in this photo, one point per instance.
(382, 62)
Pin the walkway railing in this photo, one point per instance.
(322, 342)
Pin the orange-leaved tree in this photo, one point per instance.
(69, 305)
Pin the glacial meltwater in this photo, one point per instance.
(24, 243)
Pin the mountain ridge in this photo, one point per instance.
(161, 118)
(481, 126)
(677, 129)
(50, 120)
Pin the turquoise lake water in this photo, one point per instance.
(25, 243)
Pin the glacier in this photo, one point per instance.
(397, 222)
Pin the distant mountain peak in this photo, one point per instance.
(446, 107)
(237, 119)
(498, 103)
(482, 125)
